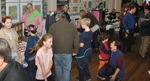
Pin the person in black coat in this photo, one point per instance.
(144, 32)
(65, 12)
(10, 70)
(112, 15)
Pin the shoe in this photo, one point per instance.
(89, 80)
(131, 51)
(77, 78)
(143, 56)
(148, 72)
(102, 78)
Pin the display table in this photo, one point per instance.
(112, 26)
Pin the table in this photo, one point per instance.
(113, 26)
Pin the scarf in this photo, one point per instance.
(36, 13)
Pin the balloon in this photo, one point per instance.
(106, 10)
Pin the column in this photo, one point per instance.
(51, 5)
(0, 13)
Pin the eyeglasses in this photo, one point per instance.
(29, 7)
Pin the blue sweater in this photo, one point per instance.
(128, 21)
(113, 62)
(31, 42)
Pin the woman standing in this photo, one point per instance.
(65, 12)
(10, 70)
(11, 36)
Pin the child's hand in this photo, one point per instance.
(14, 49)
(45, 72)
(100, 57)
(45, 79)
(74, 54)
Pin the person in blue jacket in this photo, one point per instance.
(30, 56)
(129, 25)
(116, 60)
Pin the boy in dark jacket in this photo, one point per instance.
(85, 51)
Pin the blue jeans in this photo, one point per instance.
(31, 70)
(62, 64)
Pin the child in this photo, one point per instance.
(85, 51)
(30, 56)
(104, 51)
(43, 59)
(11, 36)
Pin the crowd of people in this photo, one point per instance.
(63, 41)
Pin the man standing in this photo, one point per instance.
(32, 17)
(129, 24)
(66, 44)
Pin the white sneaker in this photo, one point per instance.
(148, 72)
(102, 78)
(89, 80)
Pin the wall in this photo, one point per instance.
(52, 5)
(0, 13)
(117, 5)
(140, 2)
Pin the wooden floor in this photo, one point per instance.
(136, 68)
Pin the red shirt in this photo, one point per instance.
(144, 5)
(104, 51)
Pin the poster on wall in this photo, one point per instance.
(98, 1)
(12, 0)
(23, 8)
(90, 4)
(38, 6)
(104, 2)
(75, 1)
(74, 9)
(23, 0)
(80, 1)
(13, 11)
(85, 4)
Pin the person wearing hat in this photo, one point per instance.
(30, 56)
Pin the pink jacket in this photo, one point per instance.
(36, 20)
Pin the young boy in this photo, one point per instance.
(30, 57)
(85, 51)
(104, 51)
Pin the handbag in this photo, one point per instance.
(126, 35)
(110, 70)
(32, 57)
